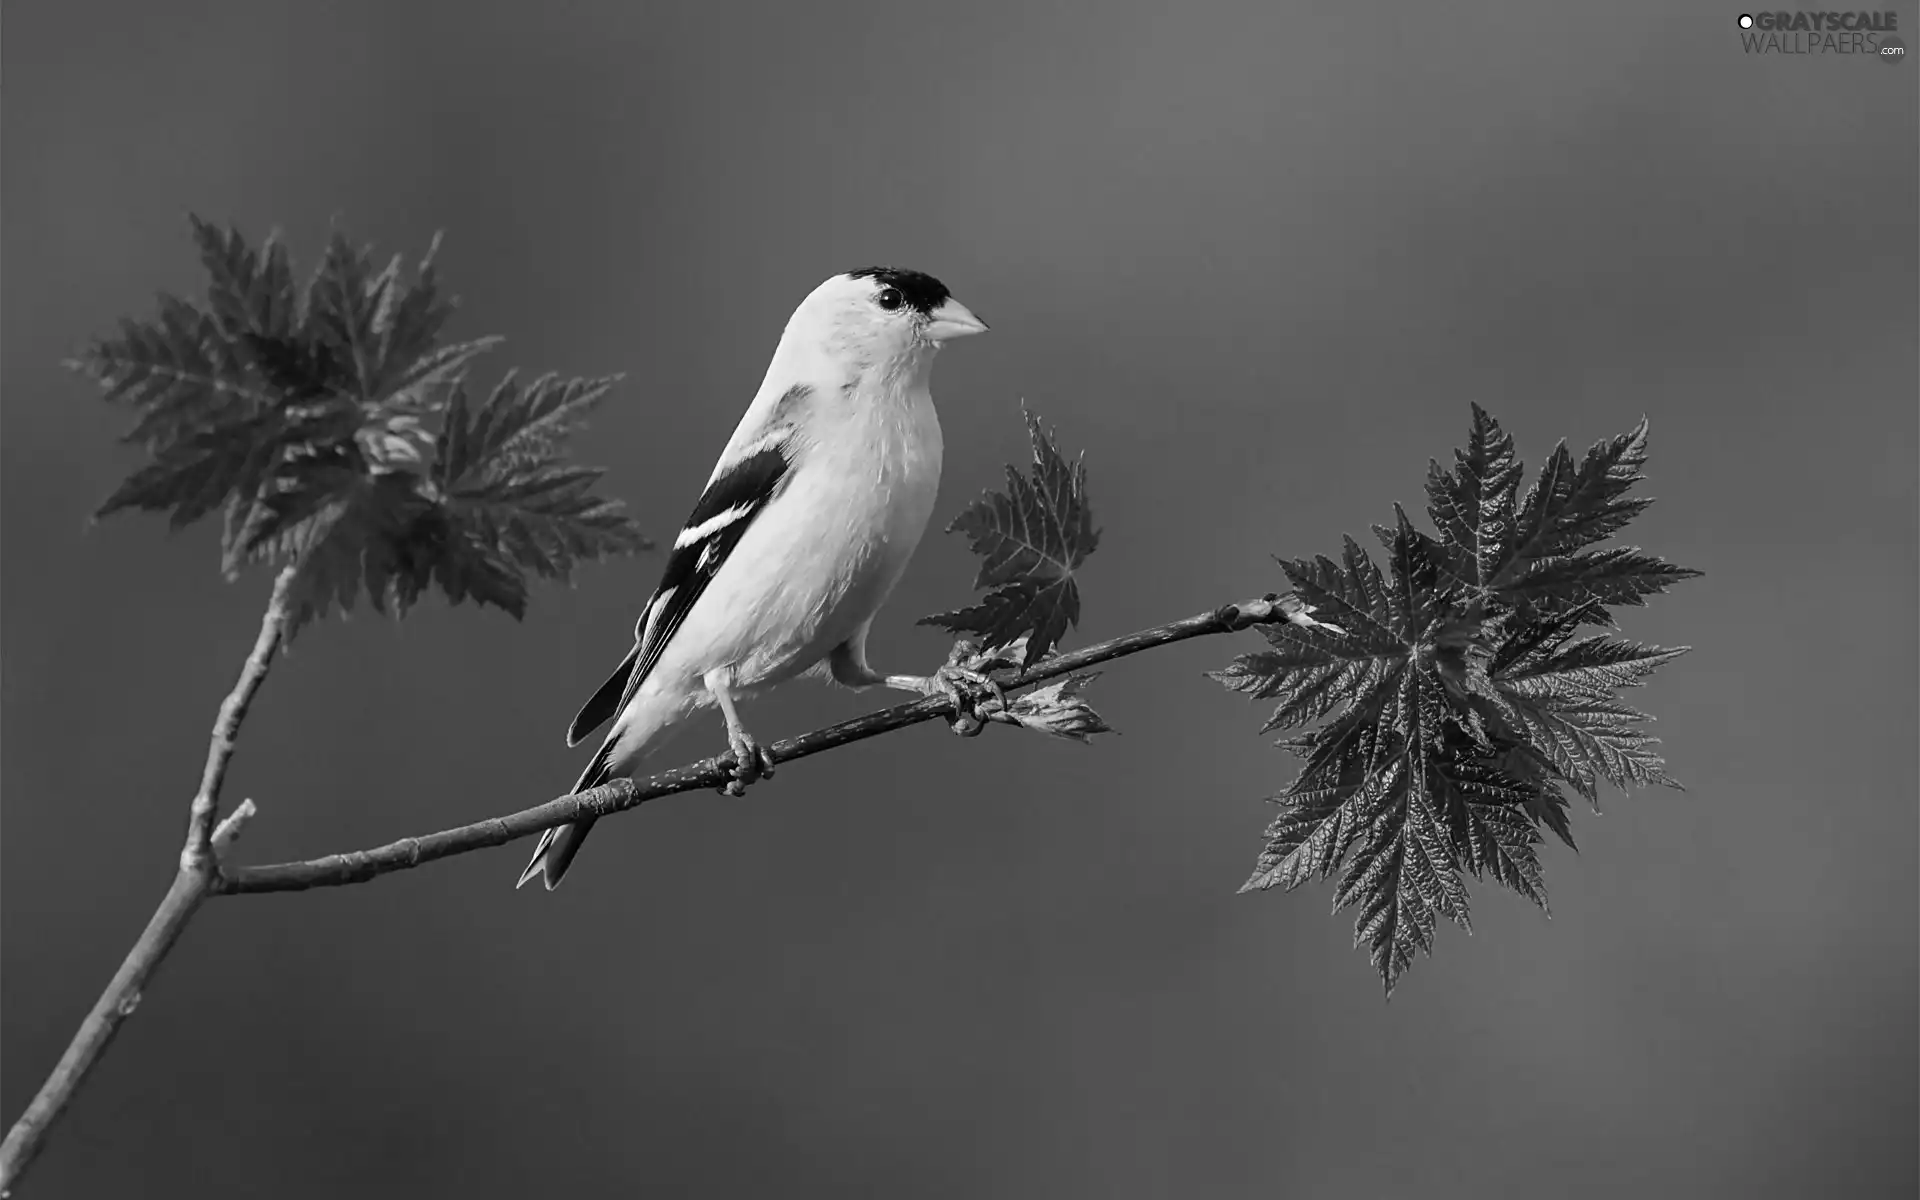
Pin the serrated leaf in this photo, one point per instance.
(1413, 560)
(1473, 504)
(343, 300)
(1313, 671)
(1386, 810)
(1353, 595)
(472, 567)
(1521, 637)
(330, 569)
(507, 480)
(379, 533)
(289, 499)
(383, 292)
(1488, 815)
(1306, 693)
(1571, 507)
(1600, 664)
(1463, 681)
(439, 366)
(1315, 827)
(248, 291)
(193, 477)
(1394, 922)
(515, 427)
(408, 327)
(1403, 879)
(175, 372)
(548, 534)
(453, 454)
(1533, 777)
(1621, 576)
(1595, 504)
(1502, 844)
(1547, 806)
(1032, 539)
(1587, 739)
(305, 418)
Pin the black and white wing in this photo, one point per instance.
(729, 505)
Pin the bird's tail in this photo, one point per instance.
(558, 845)
(647, 723)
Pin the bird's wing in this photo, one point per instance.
(735, 496)
(606, 702)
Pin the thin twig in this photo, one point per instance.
(235, 823)
(197, 855)
(359, 866)
(196, 878)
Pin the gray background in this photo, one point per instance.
(1256, 259)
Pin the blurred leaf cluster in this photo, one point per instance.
(329, 424)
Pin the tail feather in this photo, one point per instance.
(555, 854)
(645, 724)
(558, 845)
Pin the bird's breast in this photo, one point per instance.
(882, 478)
(856, 509)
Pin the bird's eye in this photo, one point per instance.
(890, 298)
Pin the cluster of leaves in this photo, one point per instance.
(330, 425)
(1440, 730)
(1031, 539)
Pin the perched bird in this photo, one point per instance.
(806, 524)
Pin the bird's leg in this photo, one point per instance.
(751, 760)
(953, 679)
(966, 687)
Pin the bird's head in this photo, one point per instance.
(882, 318)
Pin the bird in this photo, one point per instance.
(804, 527)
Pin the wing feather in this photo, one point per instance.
(721, 516)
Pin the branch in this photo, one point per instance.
(197, 855)
(359, 866)
(197, 878)
(115, 1005)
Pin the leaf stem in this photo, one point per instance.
(359, 866)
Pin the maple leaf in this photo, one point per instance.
(1439, 732)
(508, 483)
(1312, 671)
(1033, 537)
(1491, 829)
(1472, 505)
(320, 420)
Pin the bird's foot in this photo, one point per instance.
(751, 762)
(964, 681)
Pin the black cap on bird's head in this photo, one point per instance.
(886, 306)
(923, 293)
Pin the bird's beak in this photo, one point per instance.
(952, 320)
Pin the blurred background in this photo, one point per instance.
(1256, 259)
